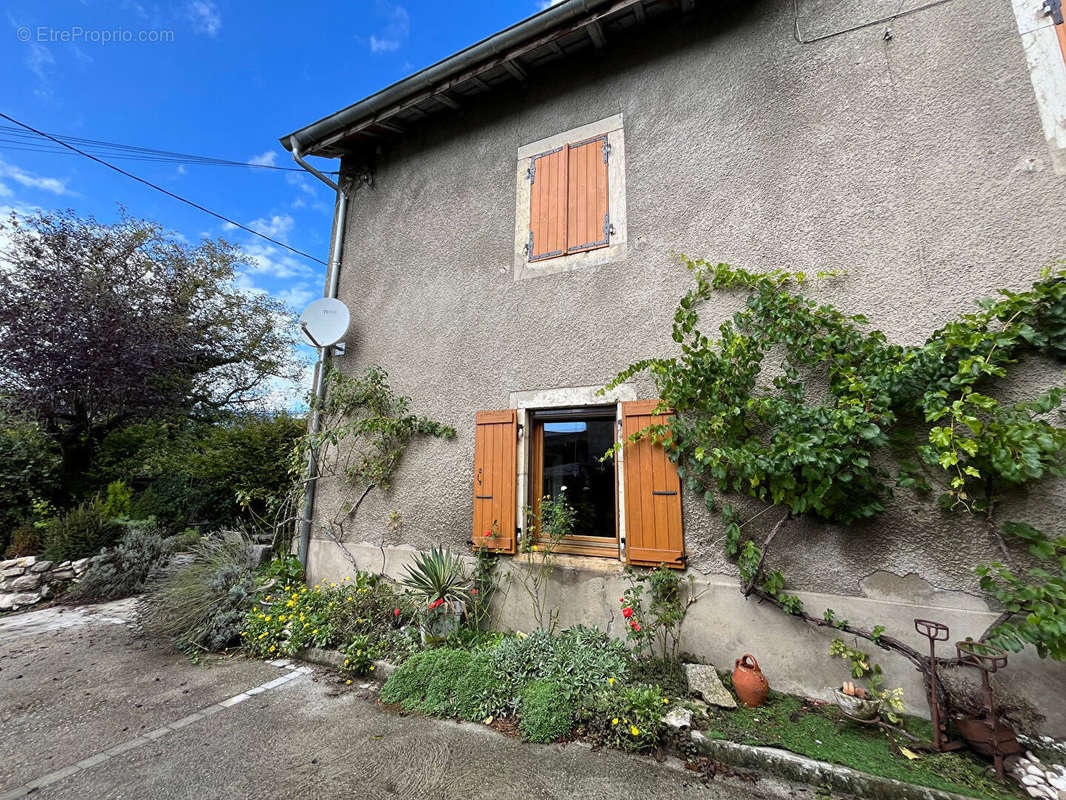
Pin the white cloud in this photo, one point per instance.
(277, 226)
(267, 159)
(205, 17)
(32, 181)
(395, 31)
(383, 45)
(181, 169)
(266, 259)
(4, 191)
(296, 296)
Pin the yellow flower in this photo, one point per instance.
(268, 618)
(272, 649)
(633, 729)
(610, 681)
(314, 631)
(261, 617)
(333, 585)
(345, 662)
(348, 683)
(666, 700)
(371, 667)
(263, 635)
(281, 617)
(301, 618)
(614, 721)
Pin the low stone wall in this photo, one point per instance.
(27, 581)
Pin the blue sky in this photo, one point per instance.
(220, 78)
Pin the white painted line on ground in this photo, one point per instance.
(158, 733)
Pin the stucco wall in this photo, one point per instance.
(917, 164)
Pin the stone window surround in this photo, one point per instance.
(567, 397)
(616, 201)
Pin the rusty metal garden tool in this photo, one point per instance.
(936, 632)
(988, 735)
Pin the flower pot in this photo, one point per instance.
(863, 708)
(748, 681)
(441, 622)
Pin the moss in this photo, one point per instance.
(818, 731)
(546, 714)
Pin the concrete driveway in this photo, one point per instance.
(88, 710)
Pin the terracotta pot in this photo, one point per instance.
(748, 682)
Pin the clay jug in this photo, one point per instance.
(749, 682)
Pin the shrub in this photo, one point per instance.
(410, 682)
(80, 532)
(123, 570)
(30, 469)
(183, 542)
(293, 617)
(475, 696)
(546, 714)
(628, 717)
(357, 659)
(202, 605)
(25, 541)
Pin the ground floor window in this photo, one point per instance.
(566, 458)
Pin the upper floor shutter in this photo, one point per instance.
(547, 204)
(588, 220)
(654, 534)
(495, 478)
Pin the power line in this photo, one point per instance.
(197, 206)
(17, 139)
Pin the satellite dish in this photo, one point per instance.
(325, 322)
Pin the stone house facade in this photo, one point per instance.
(508, 241)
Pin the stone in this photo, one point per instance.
(80, 565)
(12, 572)
(42, 566)
(7, 602)
(26, 583)
(9, 562)
(1032, 780)
(1033, 769)
(24, 599)
(46, 591)
(64, 564)
(1058, 782)
(679, 718)
(703, 681)
(26, 561)
(61, 575)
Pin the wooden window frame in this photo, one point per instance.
(594, 546)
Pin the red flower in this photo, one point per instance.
(636, 627)
(396, 612)
(621, 599)
(627, 612)
(473, 591)
(435, 603)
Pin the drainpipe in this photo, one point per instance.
(336, 248)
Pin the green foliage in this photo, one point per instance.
(202, 605)
(222, 472)
(627, 717)
(427, 681)
(1037, 602)
(653, 618)
(825, 453)
(483, 589)
(80, 532)
(548, 526)
(29, 469)
(285, 570)
(291, 617)
(862, 667)
(357, 659)
(546, 714)
(118, 499)
(437, 575)
(25, 541)
(123, 570)
(816, 731)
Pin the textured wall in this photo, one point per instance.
(917, 164)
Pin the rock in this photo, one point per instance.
(703, 682)
(46, 591)
(80, 565)
(26, 583)
(61, 575)
(7, 602)
(26, 561)
(24, 599)
(41, 566)
(261, 553)
(1032, 780)
(1033, 769)
(10, 562)
(679, 718)
(12, 572)
(1058, 782)
(64, 565)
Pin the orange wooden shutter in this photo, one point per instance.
(495, 476)
(588, 223)
(547, 204)
(654, 534)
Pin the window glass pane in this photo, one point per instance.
(572, 452)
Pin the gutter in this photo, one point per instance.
(494, 46)
(336, 249)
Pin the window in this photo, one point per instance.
(565, 461)
(628, 507)
(571, 200)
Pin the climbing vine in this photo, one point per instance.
(812, 411)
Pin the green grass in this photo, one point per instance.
(788, 722)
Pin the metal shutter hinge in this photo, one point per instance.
(529, 246)
(531, 173)
(1053, 9)
(607, 149)
(608, 228)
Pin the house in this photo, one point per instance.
(506, 240)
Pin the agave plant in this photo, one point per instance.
(439, 577)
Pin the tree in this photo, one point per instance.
(102, 325)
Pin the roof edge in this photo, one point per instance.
(311, 135)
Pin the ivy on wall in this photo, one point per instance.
(810, 410)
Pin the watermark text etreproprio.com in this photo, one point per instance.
(46, 34)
